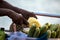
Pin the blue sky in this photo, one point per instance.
(44, 6)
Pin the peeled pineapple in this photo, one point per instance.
(32, 21)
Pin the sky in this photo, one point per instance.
(48, 6)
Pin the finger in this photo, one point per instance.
(14, 27)
(33, 15)
(19, 22)
(25, 21)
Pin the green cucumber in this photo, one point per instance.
(32, 31)
(53, 34)
(53, 27)
(58, 32)
(42, 30)
(2, 35)
(48, 24)
(37, 32)
(49, 33)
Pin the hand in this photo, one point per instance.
(16, 18)
(28, 14)
(19, 19)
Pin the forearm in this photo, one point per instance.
(7, 12)
(3, 12)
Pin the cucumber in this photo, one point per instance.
(48, 24)
(53, 27)
(53, 34)
(42, 30)
(58, 32)
(37, 32)
(2, 35)
(49, 33)
(32, 31)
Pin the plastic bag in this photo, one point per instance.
(17, 36)
(23, 36)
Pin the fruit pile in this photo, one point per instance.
(53, 31)
(36, 30)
